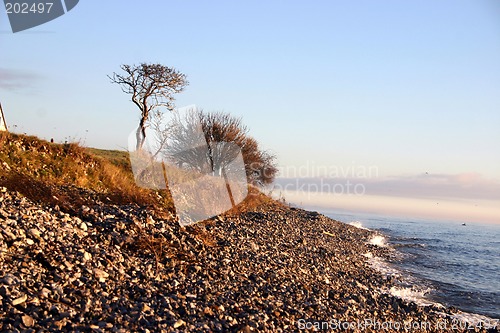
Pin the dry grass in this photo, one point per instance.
(253, 201)
(55, 174)
(42, 170)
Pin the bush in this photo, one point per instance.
(218, 127)
(260, 165)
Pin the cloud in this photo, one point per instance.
(458, 186)
(13, 80)
(464, 185)
(483, 211)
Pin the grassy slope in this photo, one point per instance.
(119, 158)
(65, 174)
(42, 170)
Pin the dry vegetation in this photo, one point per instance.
(57, 173)
(70, 176)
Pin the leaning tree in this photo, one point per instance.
(152, 86)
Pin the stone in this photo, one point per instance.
(44, 292)
(83, 226)
(28, 321)
(87, 256)
(100, 274)
(179, 323)
(34, 233)
(20, 300)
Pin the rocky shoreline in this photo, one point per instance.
(116, 268)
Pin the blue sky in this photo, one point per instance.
(406, 86)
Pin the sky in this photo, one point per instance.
(401, 98)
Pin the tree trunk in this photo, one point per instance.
(140, 135)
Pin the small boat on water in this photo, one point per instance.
(464, 224)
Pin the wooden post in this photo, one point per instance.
(228, 187)
(3, 124)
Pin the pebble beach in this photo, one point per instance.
(110, 268)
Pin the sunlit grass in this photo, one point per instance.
(53, 173)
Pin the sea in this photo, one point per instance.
(438, 262)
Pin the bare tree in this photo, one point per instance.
(152, 86)
(186, 145)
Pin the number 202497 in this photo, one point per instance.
(26, 8)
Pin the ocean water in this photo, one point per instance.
(439, 262)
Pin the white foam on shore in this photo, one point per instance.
(409, 294)
(378, 240)
(358, 225)
(368, 254)
(412, 294)
(381, 266)
(418, 296)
